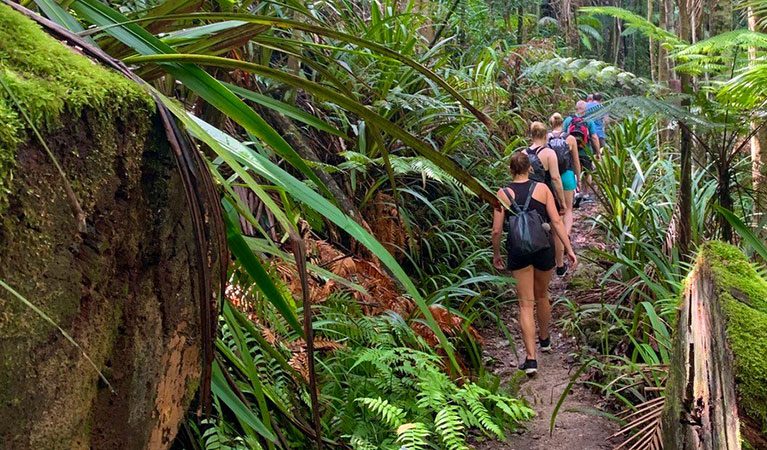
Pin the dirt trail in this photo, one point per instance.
(573, 430)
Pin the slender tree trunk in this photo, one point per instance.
(520, 25)
(684, 232)
(567, 23)
(293, 135)
(758, 142)
(653, 69)
(616, 41)
(663, 70)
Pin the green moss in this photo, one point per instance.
(743, 295)
(49, 80)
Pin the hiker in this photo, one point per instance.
(530, 257)
(545, 166)
(588, 147)
(592, 108)
(566, 148)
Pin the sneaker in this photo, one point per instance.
(577, 201)
(562, 270)
(530, 366)
(546, 345)
(588, 199)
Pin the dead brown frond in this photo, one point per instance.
(385, 223)
(643, 428)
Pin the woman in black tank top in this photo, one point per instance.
(520, 191)
(532, 271)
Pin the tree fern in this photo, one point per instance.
(591, 70)
(665, 38)
(630, 106)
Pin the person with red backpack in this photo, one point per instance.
(585, 133)
(566, 148)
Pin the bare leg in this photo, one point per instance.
(541, 291)
(559, 247)
(568, 218)
(586, 185)
(525, 293)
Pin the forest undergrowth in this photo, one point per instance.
(355, 146)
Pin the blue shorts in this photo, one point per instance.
(568, 181)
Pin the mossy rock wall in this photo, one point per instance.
(125, 290)
(716, 395)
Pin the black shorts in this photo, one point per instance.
(586, 163)
(541, 260)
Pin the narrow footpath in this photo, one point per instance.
(574, 429)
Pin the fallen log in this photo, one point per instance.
(716, 396)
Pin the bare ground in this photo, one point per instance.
(574, 429)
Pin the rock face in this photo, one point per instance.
(126, 289)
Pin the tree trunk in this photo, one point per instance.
(684, 232)
(567, 23)
(653, 69)
(128, 289)
(293, 135)
(758, 142)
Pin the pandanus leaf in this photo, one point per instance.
(197, 80)
(334, 96)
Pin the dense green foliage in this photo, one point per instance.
(379, 130)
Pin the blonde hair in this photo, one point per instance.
(556, 120)
(538, 130)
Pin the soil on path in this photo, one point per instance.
(574, 429)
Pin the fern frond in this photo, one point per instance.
(741, 39)
(630, 106)
(649, 29)
(515, 409)
(450, 427)
(747, 90)
(391, 415)
(591, 70)
(480, 416)
(413, 436)
(359, 443)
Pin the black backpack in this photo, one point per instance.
(560, 147)
(527, 233)
(539, 172)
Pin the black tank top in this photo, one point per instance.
(521, 191)
(547, 176)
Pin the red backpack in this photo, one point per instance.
(579, 130)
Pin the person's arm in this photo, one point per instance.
(573, 144)
(559, 227)
(556, 177)
(498, 217)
